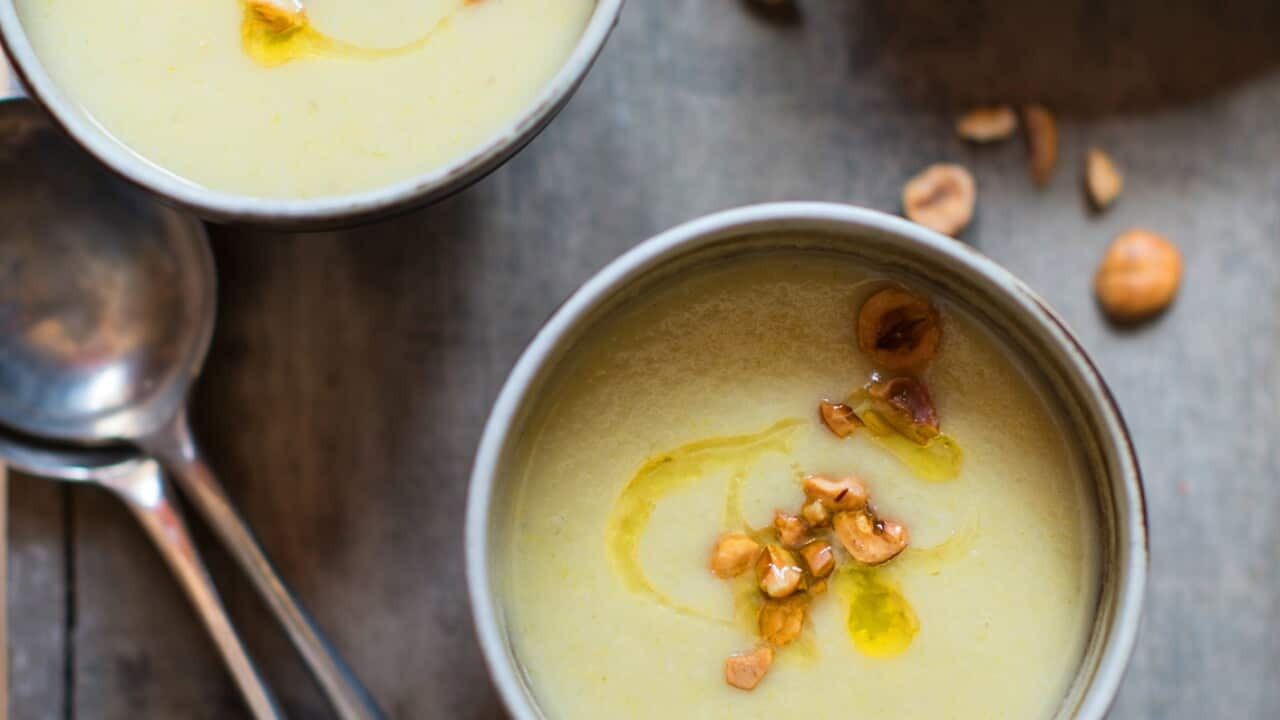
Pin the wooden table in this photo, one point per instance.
(351, 371)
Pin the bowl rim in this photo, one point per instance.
(1131, 551)
(321, 211)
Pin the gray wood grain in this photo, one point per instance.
(37, 597)
(351, 371)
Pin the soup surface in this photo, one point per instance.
(378, 91)
(692, 411)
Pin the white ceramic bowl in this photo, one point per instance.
(320, 212)
(892, 245)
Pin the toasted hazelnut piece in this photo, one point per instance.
(745, 671)
(280, 16)
(1138, 276)
(793, 530)
(847, 493)
(778, 572)
(869, 539)
(818, 588)
(1042, 142)
(839, 418)
(1103, 181)
(987, 124)
(733, 554)
(781, 621)
(941, 198)
(816, 513)
(898, 330)
(905, 404)
(819, 557)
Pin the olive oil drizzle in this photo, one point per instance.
(937, 460)
(269, 46)
(669, 471)
(880, 621)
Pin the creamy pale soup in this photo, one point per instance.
(687, 424)
(368, 93)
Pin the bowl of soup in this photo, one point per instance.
(337, 112)
(805, 460)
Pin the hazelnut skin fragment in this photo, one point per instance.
(778, 573)
(839, 418)
(1139, 276)
(1042, 142)
(793, 530)
(745, 671)
(870, 540)
(941, 198)
(781, 621)
(905, 403)
(898, 330)
(1102, 179)
(819, 557)
(733, 554)
(847, 493)
(987, 124)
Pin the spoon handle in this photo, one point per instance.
(175, 447)
(149, 496)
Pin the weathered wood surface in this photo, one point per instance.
(351, 371)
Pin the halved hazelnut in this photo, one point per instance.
(898, 330)
(816, 513)
(745, 671)
(839, 418)
(1101, 178)
(905, 403)
(1042, 142)
(941, 198)
(869, 539)
(279, 16)
(847, 493)
(793, 530)
(987, 124)
(778, 572)
(781, 621)
(819, 557)
(733, 554)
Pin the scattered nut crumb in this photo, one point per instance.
(1138, 276)
(793, 531)
(778, 572)
(733, 554)
(847, 493)
(941, 198)
(745, 671)
(839, 418)
(869, 539)
(987, 124)
(816, 513)
(781, 621)
(818, 588)
(1103, 181)
(1042, 142)
(819, 557)
(898, 330)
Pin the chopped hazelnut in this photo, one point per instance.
(838, 418)
(781, 621)
(279, 16)
(898, 330)
(793, 530)
(905, 404)
(1103, 181)
(1042, 142)
(941, 198)
(987, 124)
(847, 493)
(778, 572)
(745, 671)
(733, 554)
(816, 513)
(1139, 275)
(819, 557)
(869, 539)
(818, 588)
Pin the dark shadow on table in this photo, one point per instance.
(1081, 57)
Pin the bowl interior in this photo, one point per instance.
(315, 213)
(890, 247)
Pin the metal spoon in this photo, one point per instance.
(106, 312)
(141, 485)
